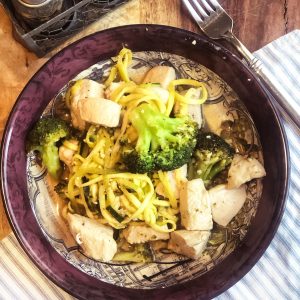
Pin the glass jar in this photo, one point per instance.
(36, 12)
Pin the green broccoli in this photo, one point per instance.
(43, 138)
(163, 143)
(211, 156)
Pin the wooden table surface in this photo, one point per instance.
(256, 23)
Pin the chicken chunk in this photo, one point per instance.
(66, 154)
(137, 74)
(175, 178)
(226, 203)
(244, 169)
(162, 93)
(195, 206)
(189, 243)
(112, 87)
(83, 88)
(160, 74)
(95, 239)
(214, 115)
(100, 111)
(193, 110)
(136, 234)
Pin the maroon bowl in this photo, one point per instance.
(102, 45)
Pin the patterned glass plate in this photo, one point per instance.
(232, 121)
(33, 208)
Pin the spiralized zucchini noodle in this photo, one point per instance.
(98, 186)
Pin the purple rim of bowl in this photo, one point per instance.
(102, 45)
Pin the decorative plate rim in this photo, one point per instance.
(180, 289)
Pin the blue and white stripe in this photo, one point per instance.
(20, 278)
(277, 273)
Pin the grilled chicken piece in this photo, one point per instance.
(160, 74)
(225, 203)
(66, 154)
(137, 74)
(95, 239)
(188, 243)
(195, 206)
(83, 88)
(214, 115)
(100, 111)
(111, 88)
(136, 234)
(162, 93)
(193, 110)
(244, 169)
(175, 177)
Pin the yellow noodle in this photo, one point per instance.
(133, 186)
(167, 214)
(131, 197)
(164, 203)
(92, 181)
(123, 61)
(139, 210)
(124, 88)
(111, 77)
(107, 216)
(82, 202)
(109, 194)
(70, 145)
(163, 176)
(70, 190)
(150, 214)
(170, 102)
(186, 99)
(147, 215)
(79, 157)
(127, 205)
(90, 138)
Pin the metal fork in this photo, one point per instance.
(217, 24)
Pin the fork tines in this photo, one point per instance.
(200, 9)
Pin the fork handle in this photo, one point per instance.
(284, 107)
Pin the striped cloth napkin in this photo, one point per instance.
(277, 273)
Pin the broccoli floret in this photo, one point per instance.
(43, 138)
(163, 143)
(211, 156)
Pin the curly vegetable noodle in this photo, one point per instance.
(187, 98)
(131, 92)
(122, 197)
(99, 186)
(123, 61)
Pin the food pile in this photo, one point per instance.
(136, 169)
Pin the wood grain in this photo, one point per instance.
(256, 23)
(292, 15)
